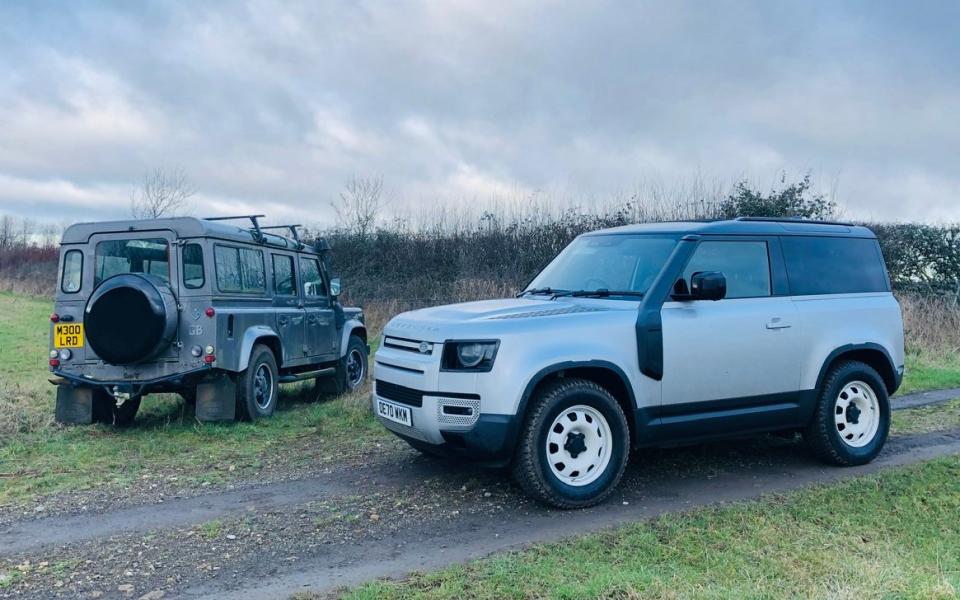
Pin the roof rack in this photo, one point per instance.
(291, 228)
(257, 233)
(795, 220)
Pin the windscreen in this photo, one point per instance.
(115, 257)
(607, 262)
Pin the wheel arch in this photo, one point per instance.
(260, 335)
(352, 327)
(604, 373)
(874, 355)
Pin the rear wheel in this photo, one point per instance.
(852, 416)
(257, 388)
(574, 446)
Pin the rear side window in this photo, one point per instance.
(72, 272)
(193, 276)
(312, 280)
(239, 269)
(746, 266)
(825, 265)
(284, 279)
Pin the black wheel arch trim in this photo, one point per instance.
(892, 386)
(546, 372)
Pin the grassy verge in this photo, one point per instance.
(37, 457)
(889, 536)
(927, 418)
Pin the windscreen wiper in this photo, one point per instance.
(546, 290)
(601, 293)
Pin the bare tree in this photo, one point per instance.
(163, 194)
(359, 203)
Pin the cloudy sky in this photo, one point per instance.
(273, 106)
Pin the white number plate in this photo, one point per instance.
(395, 412)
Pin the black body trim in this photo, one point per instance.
(411, 396)
(397, 367)
(897, 374)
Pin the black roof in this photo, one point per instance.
(746, 226)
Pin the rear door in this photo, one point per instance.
(731, 364)
(318, 307)
(290, 313)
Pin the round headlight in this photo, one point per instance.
(65, 354)
(470, 355)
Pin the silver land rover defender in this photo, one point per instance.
(651, 335)
(218, 313)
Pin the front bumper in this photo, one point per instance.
(486, 438)
(129, 387)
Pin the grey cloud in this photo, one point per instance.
(280, 103)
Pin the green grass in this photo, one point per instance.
(937, 417)
(931, 371)
(37, 457)
(895, 535)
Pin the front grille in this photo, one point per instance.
(408, 345)
(399, 393)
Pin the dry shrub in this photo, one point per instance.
(931, 324)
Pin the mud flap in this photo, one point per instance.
(74, 405)
(217, 399)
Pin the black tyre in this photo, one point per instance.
(106, 411)
(124, 415)
(351, 371)
(257, 386)
(574, 445)
(103, 405)
(852, 417)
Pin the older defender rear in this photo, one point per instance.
(217, 313)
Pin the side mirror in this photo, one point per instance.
(708, 285)
(335, 287)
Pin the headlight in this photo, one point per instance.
(469, 355)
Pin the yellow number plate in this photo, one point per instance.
(68, 335)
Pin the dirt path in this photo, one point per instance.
(400, 514)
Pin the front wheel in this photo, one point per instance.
(852, 417)
(574, 447)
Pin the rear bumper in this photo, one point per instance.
(166, 383)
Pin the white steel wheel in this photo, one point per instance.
(579, 444)
(857, 414)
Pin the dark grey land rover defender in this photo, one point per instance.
(217, 313)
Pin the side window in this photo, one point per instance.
(239, 269)
(252, 271)
(284, 278)
(228, 268)
(746, 266)
(193, 276)
(312, 280)
(825, 265)
(72, 276)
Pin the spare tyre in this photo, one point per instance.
(131, 318)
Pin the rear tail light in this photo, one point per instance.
(209, 359)
(55, 318)
(210, 312)
(54, 363)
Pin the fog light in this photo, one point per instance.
(65, 354)
(54, 354)
(196, 351)
(209, 349)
